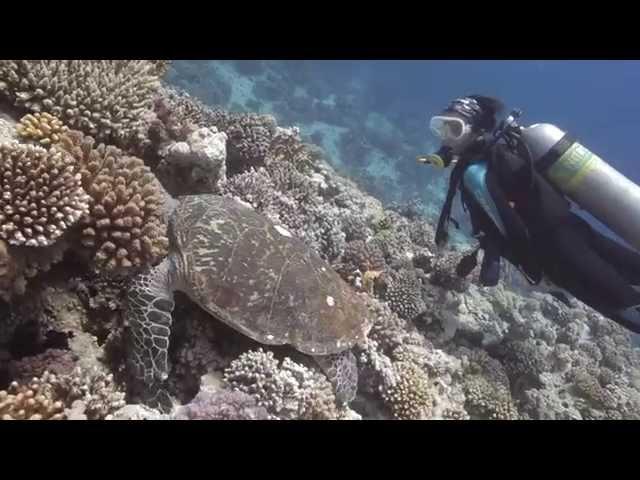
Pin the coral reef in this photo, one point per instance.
(286, 389)
(440, 346)
(403, 293)
(199, 161)
(89, 394)
(42, 128)
(221, 405)
(409, 397)
(42, 195)
(124, 226)
(33, 401)
(107, 99)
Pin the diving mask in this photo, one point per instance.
(449, 129)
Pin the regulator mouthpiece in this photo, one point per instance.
(432, 159)
(440, 159)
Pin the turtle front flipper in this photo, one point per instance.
(342, 371)
(148, 315)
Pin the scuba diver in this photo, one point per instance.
(518, 185)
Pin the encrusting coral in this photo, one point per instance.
(107, 99)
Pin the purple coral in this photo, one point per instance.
(222, 405)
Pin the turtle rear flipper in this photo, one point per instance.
(342, 371)
(148, 316)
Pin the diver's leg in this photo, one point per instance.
(624, 259)
(573, 264)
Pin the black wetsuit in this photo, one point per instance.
(545, 237)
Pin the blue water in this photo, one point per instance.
(596, 101)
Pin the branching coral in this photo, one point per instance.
(287, 390)
(178, 113)
(409, 397)
(42, 128)
(524, 362)
(487, 400)
(42, 195)
(286, 146)
(249, 137)
(124, 226)
(107, 99)
(287, 179)
(254, 187)
(95, 390)
(221, 405)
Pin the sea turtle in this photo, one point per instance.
(254, 276)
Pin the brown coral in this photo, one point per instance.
(42, 128)
(107, 99)
(42, 195)
(249, 138)
(363, 256)
(124, 227)
(93, 389)
(18, 264)
(286, 146)
(35, 401)
(409, 398)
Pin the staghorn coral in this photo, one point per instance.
(107, 99)
(42, 128)
(409, 397)
(124, 226)
(42, 195)
(221, 405)
(287, 390)
(403, 293)
(33, 401)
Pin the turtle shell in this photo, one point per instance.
(259, 279)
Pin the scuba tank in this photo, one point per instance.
(585, 178)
